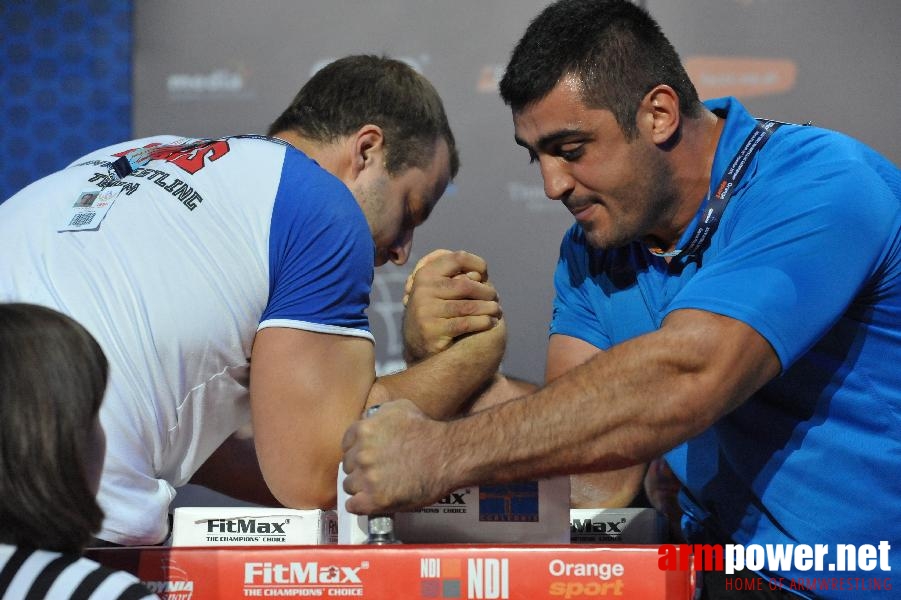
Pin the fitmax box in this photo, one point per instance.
(243, 526)
(616, 526)
(534, 512)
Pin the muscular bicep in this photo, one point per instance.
(565, 352)
(720, 361)
(305, 390)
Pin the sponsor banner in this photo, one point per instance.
(223, 83)
(411, 572)
(741, 76)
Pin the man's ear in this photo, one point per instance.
(659, 114)
(367, 148)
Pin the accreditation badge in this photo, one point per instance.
(89, 209)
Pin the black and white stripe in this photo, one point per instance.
(39, 575)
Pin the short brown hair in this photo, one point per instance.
(356, 90)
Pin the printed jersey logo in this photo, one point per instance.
(190, 158)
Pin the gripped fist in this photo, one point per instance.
(447, 296)
(390, 460)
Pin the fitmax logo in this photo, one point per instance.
(590, 526)
(453, 499)
(299, 573)
(245, 526)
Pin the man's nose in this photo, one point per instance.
(558, 183)
(399, 252)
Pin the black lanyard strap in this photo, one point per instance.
(710, 220)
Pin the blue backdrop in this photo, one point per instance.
(65, 76)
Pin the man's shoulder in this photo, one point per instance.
(306, 187)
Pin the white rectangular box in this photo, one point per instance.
(244, 526)
(535, 512)
(616, 526)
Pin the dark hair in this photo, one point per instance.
(613, 47)
(356, 90)
(52, 379)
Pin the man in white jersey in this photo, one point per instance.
(228, 279)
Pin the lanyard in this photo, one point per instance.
(711, 217)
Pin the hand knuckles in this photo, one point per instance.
(442, 343)
(421, 316)
(468, 307)
(464, 287)
(460, 256)
(482, 291)
(460, 326)
(449, 285)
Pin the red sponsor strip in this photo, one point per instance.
(505, 572)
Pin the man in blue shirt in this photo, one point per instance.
(729, 297)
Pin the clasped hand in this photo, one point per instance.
(447, 296)
(393, 458)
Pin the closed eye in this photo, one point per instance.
(570, 152)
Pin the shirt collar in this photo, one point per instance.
(739, 124)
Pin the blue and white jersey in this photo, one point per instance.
(173, 268)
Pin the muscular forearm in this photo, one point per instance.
(610, 413)
(623, 407)
(500, 388)
(443, 383)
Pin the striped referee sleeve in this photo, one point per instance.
(42, 575)
(11, 567)
(48, 576)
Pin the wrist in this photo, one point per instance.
(457, 467)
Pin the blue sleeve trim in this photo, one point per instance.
(321, 253)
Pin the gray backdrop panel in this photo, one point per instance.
(215, 67)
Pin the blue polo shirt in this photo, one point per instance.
(808, 253)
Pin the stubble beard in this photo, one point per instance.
(373, 201)
(655, 195)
